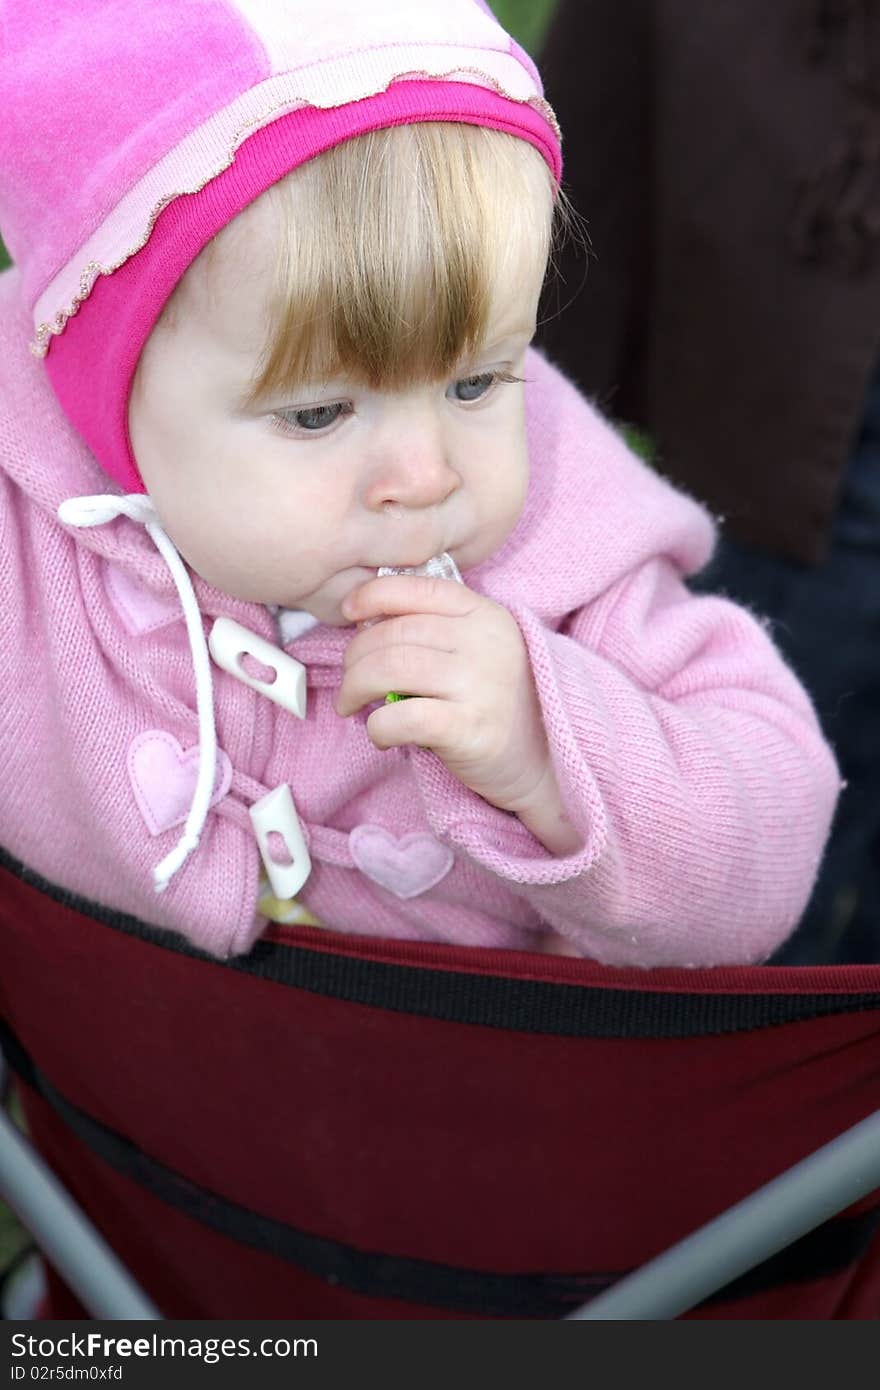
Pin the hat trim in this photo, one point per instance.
(212, 147)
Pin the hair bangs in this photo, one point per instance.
(391, 248)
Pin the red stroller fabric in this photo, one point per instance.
(340, 1127)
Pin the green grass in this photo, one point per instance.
(525, 19)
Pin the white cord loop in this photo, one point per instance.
(97, 511)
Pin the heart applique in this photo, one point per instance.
(407, 866)
(141, 610)
(163, 778)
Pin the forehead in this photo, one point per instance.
(225, 293)
(229, 293)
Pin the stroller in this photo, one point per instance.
(338, 1127)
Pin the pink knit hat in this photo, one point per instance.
(132, 133)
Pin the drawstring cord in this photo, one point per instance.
(97, 511)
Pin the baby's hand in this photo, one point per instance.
(463, 661)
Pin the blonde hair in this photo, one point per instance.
(391, 248)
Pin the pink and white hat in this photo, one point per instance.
(133, 132)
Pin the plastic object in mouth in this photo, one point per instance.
(438, 567)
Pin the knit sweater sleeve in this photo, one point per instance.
(689, 761)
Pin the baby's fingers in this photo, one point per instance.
(412, 629)
(423, 722)
(397, 594)
(407, 670)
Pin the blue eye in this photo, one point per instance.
(472, 388)
(311, 419)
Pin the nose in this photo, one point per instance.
(413, 468)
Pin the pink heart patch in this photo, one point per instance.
(163, 778)
(140, 610)
(406, 867)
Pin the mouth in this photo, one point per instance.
(411, 563)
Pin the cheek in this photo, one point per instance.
(246, 514)
(519, 476)
(214, 548)
(267, 545)
(505, 484)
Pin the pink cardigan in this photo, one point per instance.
(689, 756)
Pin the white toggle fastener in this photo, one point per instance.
(229, 642)
(275, 814)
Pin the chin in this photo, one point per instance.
(324, 603)
(327, 613)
